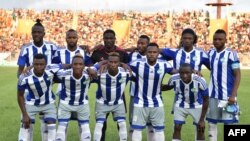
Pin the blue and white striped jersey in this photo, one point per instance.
(222, 77)
(39, 89)
(133, 57)
(189, 95)
(30, 50)
(196, 58)
(110, 88)
(148, 80)
(74, 91)
(65, 56)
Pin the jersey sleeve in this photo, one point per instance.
(53, 67)
(22, 59)
(234, 60)
(21, 83)
(168, 67)
(168, 54)
(203, 86)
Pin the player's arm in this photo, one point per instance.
(20, 70)
(201, 123)
(21, 102)
(166, 87)
(237, 76)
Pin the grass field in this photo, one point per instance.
(10, 113)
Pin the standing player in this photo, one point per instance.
(40, 97)
(109, 99)
(102, 53)
(25, 59)
(224, 83)
(73, 98)
(140, 53)
(192, 99)
(148, 105)
(188, 53)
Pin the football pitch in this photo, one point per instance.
(10, 113)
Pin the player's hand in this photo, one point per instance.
(26, 121)
(231, 100)
(103, 68)
(198, 73)
(127, 68)
(85, 48)
(26, 70)
(92, 73)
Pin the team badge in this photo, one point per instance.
(159, 71)
(195, 58)
(194, 90)
(122, 80)
(223, 59)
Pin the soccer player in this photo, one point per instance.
(102, 53)
(140, 53)
(39, 98)
(74, 98)
(25, 59)
(224, 83)
(109, 99)
(148, 105)
(187, 53)
(192, 99)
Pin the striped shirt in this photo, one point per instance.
(222, 76)
(39, 89)
(110, 88)
(148, 80)
(30, 50)
(65, 56)
(196, 58)
(74, 91)
(189, 95)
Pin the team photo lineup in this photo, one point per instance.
(54, 78)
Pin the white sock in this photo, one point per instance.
(136, 136)
(23, 134)
(212, 132)
(31, 131)
(176, 140)
(150, 135)
(61, 131)
(122, 131)
(98, 131)
(79, 130)
(44, 128)
(200, 140)
(85, 134)
(159, 136)
(51, 132)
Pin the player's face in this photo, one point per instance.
(109, 40)
(71, 39)
(142, 45)
(152, 54)
(39, 66)
(37, 34)
(187, 40)
(185, 74)
(219, 40)
(113, 63)
(78, 65)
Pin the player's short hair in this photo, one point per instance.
(109, 31)
(71, 30)
(78, 55)
(145, 37)
(114, 54)
(220, 31)
(153, 44)
(186, 65)
(40, 56)
(190, 31)
(38, 23)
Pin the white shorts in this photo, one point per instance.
(216, 114)
(181, 114)
(118, 111)
(144, 115)
(65, 110)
